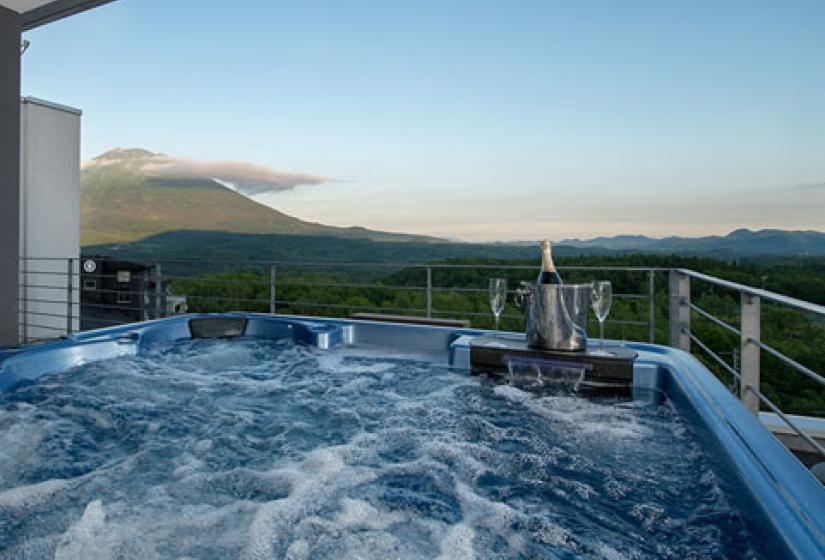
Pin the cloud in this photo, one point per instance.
(245, 177)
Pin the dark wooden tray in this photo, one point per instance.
(490, 355)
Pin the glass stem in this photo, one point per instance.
(601, 336)
(496, 335)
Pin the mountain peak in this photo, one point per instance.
(124, 154)
(741, 233)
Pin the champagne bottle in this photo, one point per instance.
(548, 274)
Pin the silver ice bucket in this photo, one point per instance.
(556, 315)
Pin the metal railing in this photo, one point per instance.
(427, 306)
(52, 303)
(751, 345)
(283, 287)
(55, 301)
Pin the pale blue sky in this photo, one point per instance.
(471, 119)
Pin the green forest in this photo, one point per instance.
(459, 290)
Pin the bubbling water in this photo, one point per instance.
(256, 450)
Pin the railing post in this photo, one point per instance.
(158, 291)
(680, 310)
(69, 290)
(737, 366)
(750, 352)
(144, 296)
(429, 292)
(272, 306)
(651, 295)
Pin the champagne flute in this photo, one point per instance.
(498, 297)
(602, 297)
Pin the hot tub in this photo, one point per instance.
(253, 436)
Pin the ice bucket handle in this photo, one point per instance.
(523, 294)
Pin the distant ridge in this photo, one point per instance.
(121, 202)
(738, 243)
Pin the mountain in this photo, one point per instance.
(220, 246)
(225, 251)
(124, 198)
(737, 244)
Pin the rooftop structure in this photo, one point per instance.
(17, 16)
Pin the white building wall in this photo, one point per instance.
(49, 219)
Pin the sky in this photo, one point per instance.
(476, 120)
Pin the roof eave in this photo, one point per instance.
(56, 10)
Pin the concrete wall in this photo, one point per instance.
(49, 219)
(9, 173)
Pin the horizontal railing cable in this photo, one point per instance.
(37, 326)
(243, 282)
(104, 320)
(714, 320)
(110, 306)
(811, 374)
(42, 287)
(776, 410)
(114, 291)
(63, 273)
(715, 356)
(44, 314)
(358, 307)
(38, 300)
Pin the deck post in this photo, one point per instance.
(69, 295)
(679, 310)
(10, 28)
(429, 292)
(144, 296)
(272, 301)
(651, 297)
(158, 291)
(750, 351)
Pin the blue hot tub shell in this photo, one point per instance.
(770, 485)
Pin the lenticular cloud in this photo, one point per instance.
(247, 178)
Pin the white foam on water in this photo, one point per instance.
(457, 455)
(342, 362)
(497, 517)
(358, 514)
(588, 419)
(512, 393)
(457, 544)
(607, 552)
(19, 441)
(548, 532)
(191, 465)
(583, 490)
(205, 517)
(31, 549)
(319, 477)
(101, 419)
(31, 495)
(87, 539)
(202, 447)
(648, 514)
(298, 550)
(356, 386)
